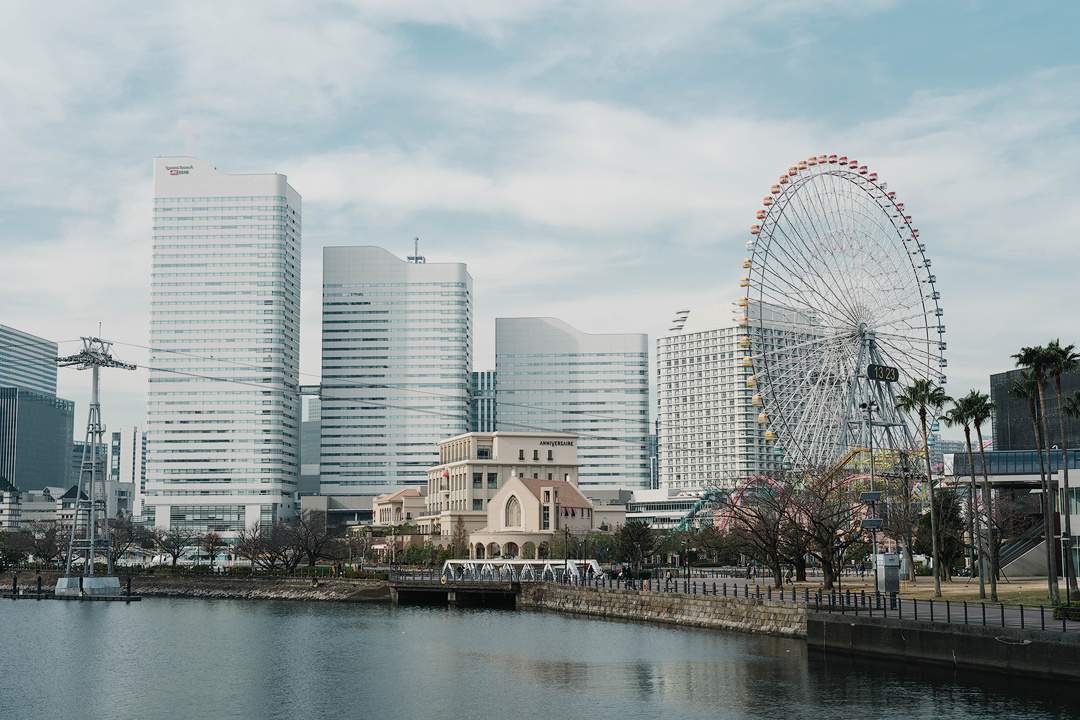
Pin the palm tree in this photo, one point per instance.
(981, 409)
(926, 399)
(1061, 361)
(961, 415)
(1028, 386)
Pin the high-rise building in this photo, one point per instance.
(707, 430)
(396, 367)
(35, 439)
(483, 418)
(551, 377)
(27, 361)
(127, 464)
(223, 410)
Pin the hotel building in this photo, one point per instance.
(708, 434)
(222, 448)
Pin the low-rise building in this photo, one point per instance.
(472, 467)
(404, 506)
(10, 506)
(524, 514)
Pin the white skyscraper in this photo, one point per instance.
(709, 434)
(396, 367)
(223, 407)
(551, 377)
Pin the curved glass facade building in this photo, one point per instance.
(551, 377)
(396, 367)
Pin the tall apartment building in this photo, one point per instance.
(396, 367)
(27, 361)
(223, 415)
(35, 439)
(127, 464)
(708, 434)
(551, 377)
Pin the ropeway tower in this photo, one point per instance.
(90, 522)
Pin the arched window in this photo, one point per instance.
(513, 512)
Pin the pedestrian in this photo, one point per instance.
(667, 581)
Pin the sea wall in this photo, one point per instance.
(1010, 650)
(233, 587)
(769, 617)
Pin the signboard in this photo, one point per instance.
(883, 373)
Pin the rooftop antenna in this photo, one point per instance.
(90, 522)
(416, 257)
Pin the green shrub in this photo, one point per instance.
(1071, 610)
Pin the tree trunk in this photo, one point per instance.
(972, 511)
(1048, 517)
(800, 568)
(988, 536)
(933, 514)
(1066, 502)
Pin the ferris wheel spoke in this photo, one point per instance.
(836, 270)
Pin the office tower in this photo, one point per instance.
(223, 417)
(35, 439)
(127, 463)
(483, 417)
(708, 434)
(27, 361)
(551, 377)
(396, 367)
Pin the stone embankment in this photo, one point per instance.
(235, 587)
(768, 617)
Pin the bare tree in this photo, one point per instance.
(212, 543)
(900, 516)
(826, 509)
(44, 539)
(311, 535)
(125, 535)
(280, 548)
(249, 544)
(758, 513)
(173, 541)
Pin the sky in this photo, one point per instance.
(598, 162)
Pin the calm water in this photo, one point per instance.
(179, 658)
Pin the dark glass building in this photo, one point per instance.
(1012, 418)
(35, 439)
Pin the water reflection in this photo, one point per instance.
(163, 659)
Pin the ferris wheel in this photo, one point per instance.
(837, 280)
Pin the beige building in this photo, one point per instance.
(472, 467)
(525, 512)
(404, 506)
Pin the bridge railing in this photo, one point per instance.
(869, 604)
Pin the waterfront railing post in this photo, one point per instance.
(1002, 614)
(1021, 616)
(1042, 616)
(948, 612)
